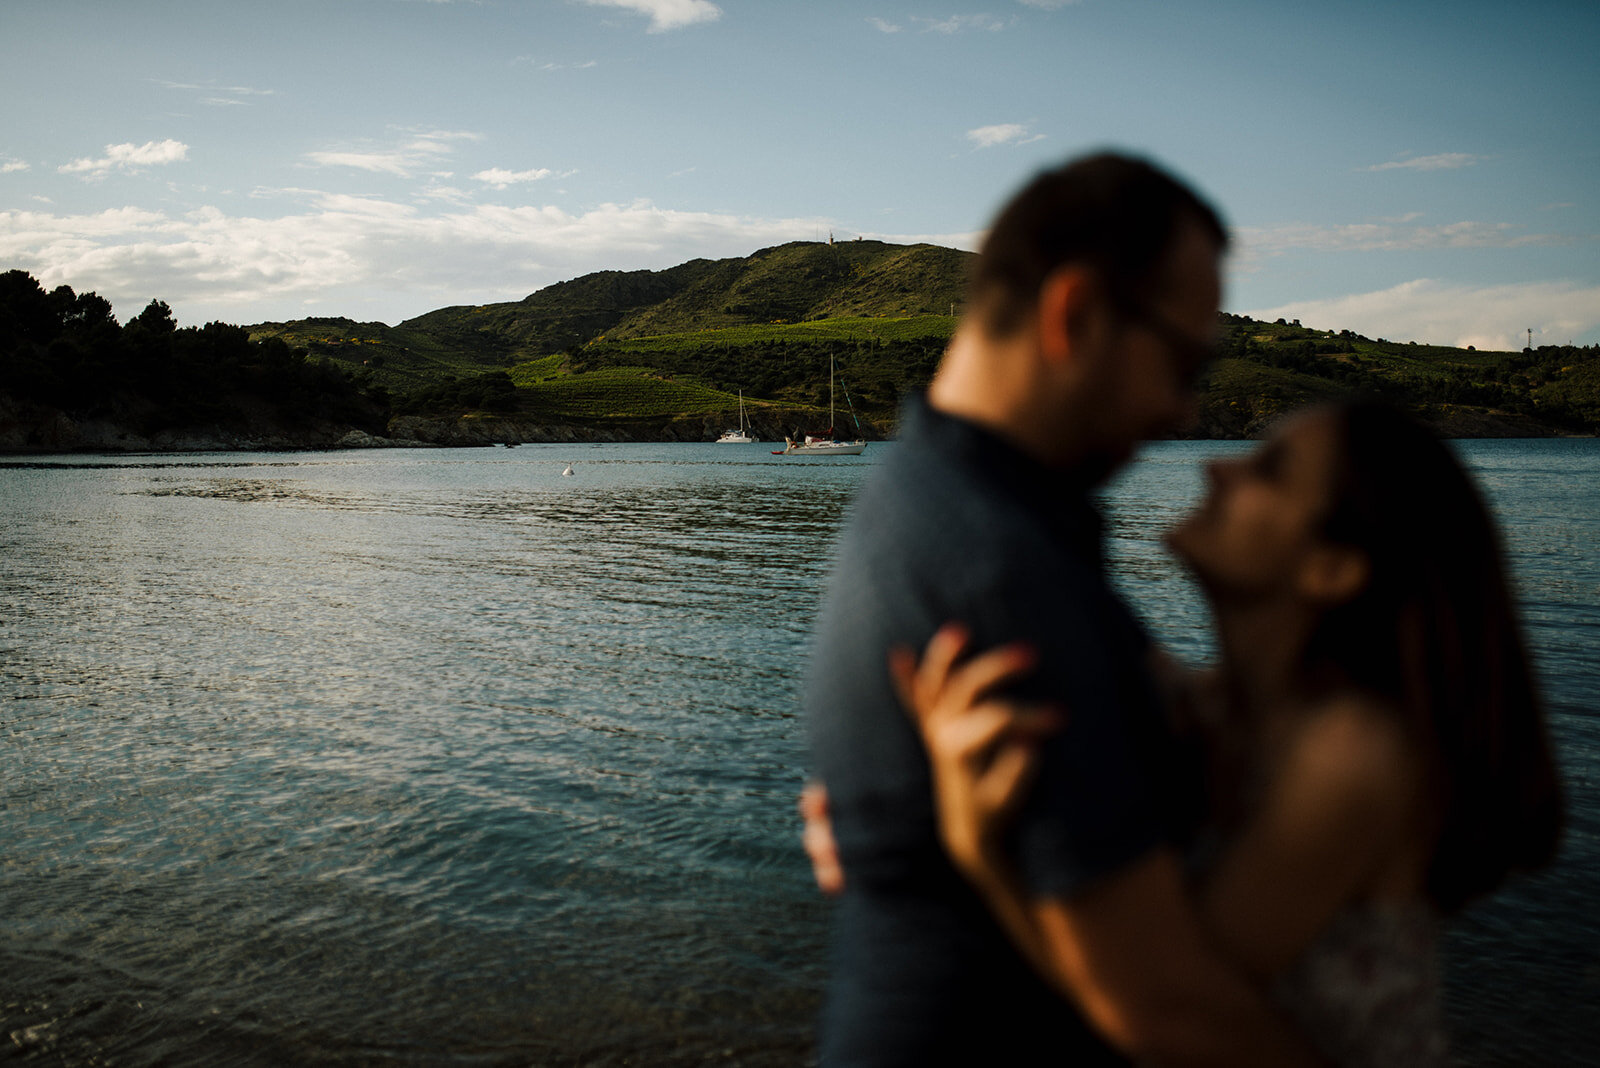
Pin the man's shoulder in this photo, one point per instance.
(929, 499)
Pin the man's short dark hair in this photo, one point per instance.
(1116, 214)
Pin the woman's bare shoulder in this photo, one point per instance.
(1353, 749)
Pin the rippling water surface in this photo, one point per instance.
(445, 757)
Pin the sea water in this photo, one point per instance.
(449, 757)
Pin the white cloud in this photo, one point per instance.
(222, 95)
(537, 64)
(959, 23)
(1446, 161)
(237, 90)
(1005, 133)
(883, 25)
(1488, 317)
(128, 158)
(1403, 234)
(362, 256)
(448, 193)
(499, 177)
(421, 150)
(12, 167)
(666, 14)
(390, 162)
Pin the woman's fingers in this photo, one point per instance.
(817, 837)
(982, 764)
(1003, 786)
(922, 690)
(970, 745)
(985, 672)
(940, 683)
(941, 654)
(969, 738)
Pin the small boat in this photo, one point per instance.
(742, 436)
(824, 444)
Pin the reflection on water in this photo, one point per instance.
(410, 756)
(434, 756)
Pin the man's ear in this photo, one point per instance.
(1333, 574)
(1071, 313)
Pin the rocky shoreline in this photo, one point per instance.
(26, 429)
(35, 430)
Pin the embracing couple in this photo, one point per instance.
(1056, 845)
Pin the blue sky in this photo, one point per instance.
(1409, 170)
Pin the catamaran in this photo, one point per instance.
(824, 444)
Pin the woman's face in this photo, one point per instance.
(1263, 512)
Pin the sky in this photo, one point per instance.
(1417, 171)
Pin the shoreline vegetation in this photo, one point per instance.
(662, 356)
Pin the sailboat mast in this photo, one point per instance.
(830, 392)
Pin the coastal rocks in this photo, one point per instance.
(469, 431)
(34, 428)
(1459, 421)
(360, 439)
(130, 426)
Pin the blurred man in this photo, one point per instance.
(1091, 311)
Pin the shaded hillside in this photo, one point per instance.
(71, 377)
(561, 316)
(1266, 369)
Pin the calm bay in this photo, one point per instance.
(446, 756)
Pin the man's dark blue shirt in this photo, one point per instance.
(958, 525)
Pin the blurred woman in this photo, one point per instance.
(1376, 754)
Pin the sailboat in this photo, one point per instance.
(823, 444)
(742, 436)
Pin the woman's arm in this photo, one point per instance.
(1130, 951)
(1340, 803)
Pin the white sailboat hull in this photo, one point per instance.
(822, 448)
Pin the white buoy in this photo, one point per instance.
(568, 471)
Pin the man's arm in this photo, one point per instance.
(1130, 953)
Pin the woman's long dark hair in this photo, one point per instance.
(1435, 630)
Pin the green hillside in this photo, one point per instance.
(684, 342)
(643, 355)
(796, 282)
